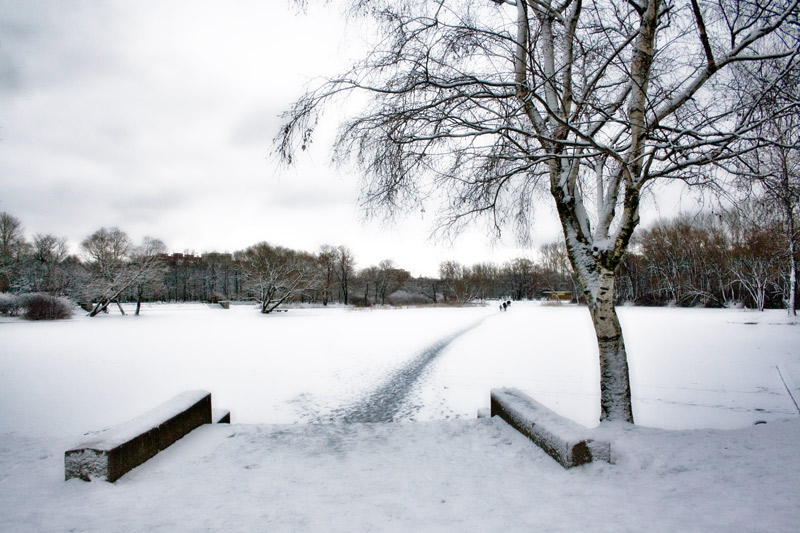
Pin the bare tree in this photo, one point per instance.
(345, 268)
(520, 274)
(47, 271)
(12, 248)
(116, 266)
(12, 236)
(106, 253)
(755, 267)
(147, 260)
(768, 162)
(755, 256)
(48, 248)
(390, 278)
(486, 100)
(687, 261)
(276, 274)
(326, 259)
(456, 280)
(369, 277)
(483, 280)
(557, 273)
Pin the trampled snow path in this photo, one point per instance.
(384, 403)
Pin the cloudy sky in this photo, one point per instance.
(157, 117)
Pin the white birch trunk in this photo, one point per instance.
(791, 230)
(615, 388)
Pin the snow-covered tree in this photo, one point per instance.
(276, 274)
(147, 260)
(481, 102)
(687, 260)
(47, 268)
(12, 248)
(106, 254)
(116, 266)
(454, 277)
(390, 278)
(768, 164)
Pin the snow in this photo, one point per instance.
(696, 461)
(565, 441)
(122, 433)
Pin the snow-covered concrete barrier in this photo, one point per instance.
(564, 440)
(116, 451)
(220, 416)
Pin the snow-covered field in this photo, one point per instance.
(709, 373)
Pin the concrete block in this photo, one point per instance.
(118, 450)
(220, 416)
(566, 441)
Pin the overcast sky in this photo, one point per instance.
(157, 117)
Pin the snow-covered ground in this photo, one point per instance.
(711, 374)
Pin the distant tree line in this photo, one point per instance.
(710, 260)
(705, 260)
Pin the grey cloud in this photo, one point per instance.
(323, 197)
(48, 43)
(147, 205)
(255, 129)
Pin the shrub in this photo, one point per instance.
(40, 306)
(401, 297)
(10, 304)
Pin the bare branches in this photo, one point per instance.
(475, 101)
(701, 29)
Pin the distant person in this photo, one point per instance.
(504, 306)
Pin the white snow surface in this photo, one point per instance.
(127, 431)
(696, 461)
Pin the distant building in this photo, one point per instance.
(564, 296)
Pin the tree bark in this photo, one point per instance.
(139, 296)
(791, 231)
(102, 305)
(615, 388)
(792, 304)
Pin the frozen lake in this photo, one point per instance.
(690, 368)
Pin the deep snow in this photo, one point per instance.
(691, 368)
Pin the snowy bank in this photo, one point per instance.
(466, 475)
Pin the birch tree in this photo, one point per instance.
(482, 102)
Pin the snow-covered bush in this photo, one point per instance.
(402, 297)
(41, 306)
(9, 304)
